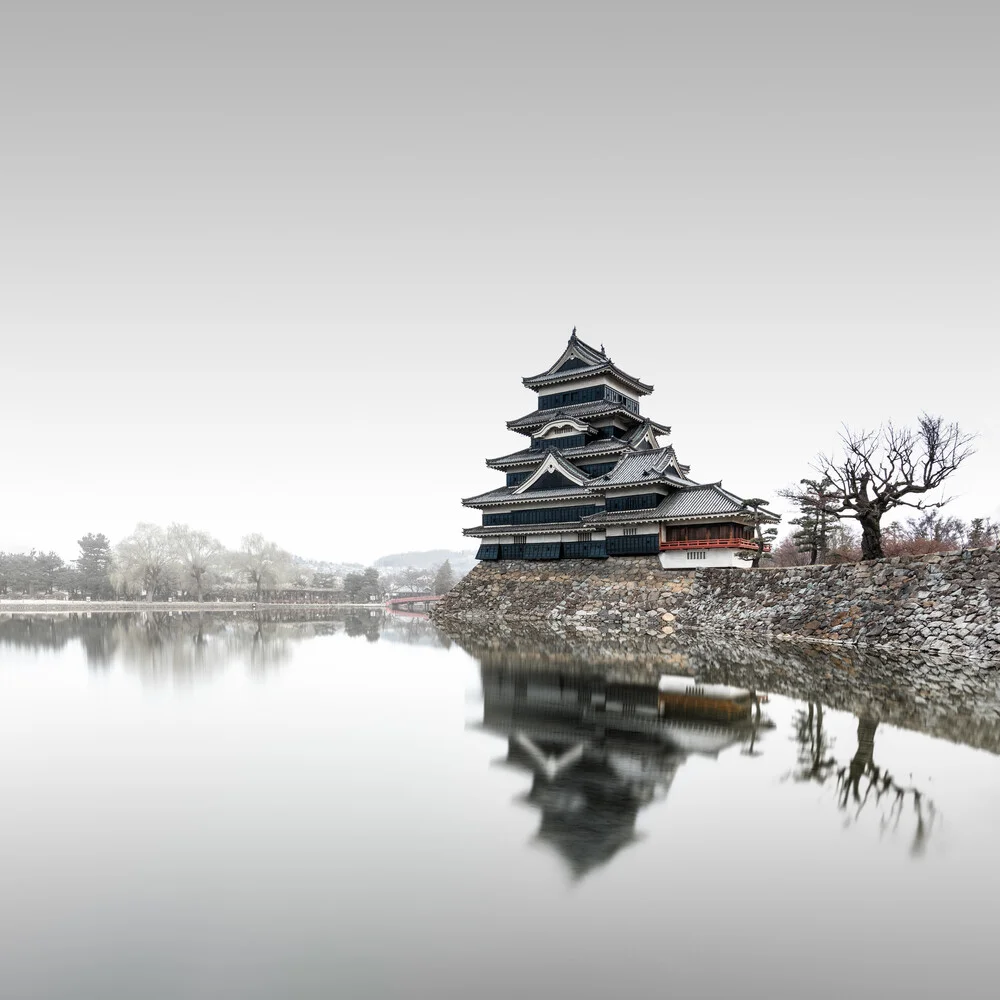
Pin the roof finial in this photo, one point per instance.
(572, 336)
(602, 350)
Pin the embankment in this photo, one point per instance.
(941, 604)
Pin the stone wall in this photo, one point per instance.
(954, 698)
(943, 604)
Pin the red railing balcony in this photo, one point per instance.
(711, 543)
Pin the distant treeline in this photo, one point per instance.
(156, 563)
(184, 563)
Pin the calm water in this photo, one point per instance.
(225, 807)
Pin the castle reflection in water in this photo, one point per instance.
(582, 718)
(597, 753)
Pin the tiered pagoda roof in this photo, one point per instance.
(509, 494)
(596, 463)
(641, 468)
(601, 408)
(644, 434)
(694, 501)
(609, 447)
(580, 360)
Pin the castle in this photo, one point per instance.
(595, 480)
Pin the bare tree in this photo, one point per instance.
(983, 533)
(888, 468)
(928, 532)
(264, 564)
(143, 562)
(861, 781)
(196, 554)
(888, 793)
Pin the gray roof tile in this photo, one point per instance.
(698, 501)
(656, 465)
(595, 361)
(600, 408)
(602, 446)
(506, 494)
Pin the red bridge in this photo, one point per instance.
(414, 602)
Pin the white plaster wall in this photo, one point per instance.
(640, 529)
(560, 428)
(596, 536)
(531, 539)
(713, 558)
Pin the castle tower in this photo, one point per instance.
(596, 480)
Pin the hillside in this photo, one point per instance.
(461, 562)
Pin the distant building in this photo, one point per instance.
(595, 480)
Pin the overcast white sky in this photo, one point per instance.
(267, 269)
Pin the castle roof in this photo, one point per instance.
(707, 501)
(508, 494)
(552, 464)
(599, 408)
(580, 360)
(547, 528)
(656, 465)
(609, 447)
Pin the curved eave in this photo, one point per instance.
(531, 422)
(554, 462)
(531, 457)
(546, 379)
(676, 482)
(495, 530)
(651, 517)
(732, 515)
(580, 426)
(491, 500)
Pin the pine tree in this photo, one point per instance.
(94, 565)
(756, 507)
(815, 524)
(444, 580)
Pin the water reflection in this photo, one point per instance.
(598, 752)
(190, 645)
(329, 799)
(860, 783)
(592, 772)
(955, 700)
(590, 779)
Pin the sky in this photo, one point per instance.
(281, 267)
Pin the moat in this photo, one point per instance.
(317, 804)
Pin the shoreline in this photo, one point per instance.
(941, 603)
(70, 607)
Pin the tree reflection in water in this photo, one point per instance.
(890, 797)
(189, 645)
(861, 783)
(815, 762)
